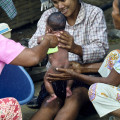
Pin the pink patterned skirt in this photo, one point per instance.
(10, 109)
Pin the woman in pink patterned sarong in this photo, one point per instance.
(14, 53)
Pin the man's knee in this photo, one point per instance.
(80, 93)
(55, 105)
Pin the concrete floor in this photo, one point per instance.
(28, 113)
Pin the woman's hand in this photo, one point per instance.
(66, 74)
(67, 41)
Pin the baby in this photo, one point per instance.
(55, 23)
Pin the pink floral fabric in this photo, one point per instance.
(10, 109)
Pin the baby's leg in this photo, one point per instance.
(69, 82)
(49, 87)
(68, 88)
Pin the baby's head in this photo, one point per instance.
(56, 21)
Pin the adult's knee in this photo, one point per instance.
(95, 90)
(54, 105)
(80, 93)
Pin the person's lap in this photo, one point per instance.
(48, 111)
(67, 111)
(59, 89)
(73, 104)
(67, 107)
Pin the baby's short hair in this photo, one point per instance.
(56, 21)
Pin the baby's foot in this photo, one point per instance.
(68, 92)
(52, 97)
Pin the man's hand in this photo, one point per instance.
(67, 40)
(68, 43)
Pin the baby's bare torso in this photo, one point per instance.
(57, 60)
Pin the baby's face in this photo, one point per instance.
(116, 14)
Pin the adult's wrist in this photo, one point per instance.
(77, 50)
